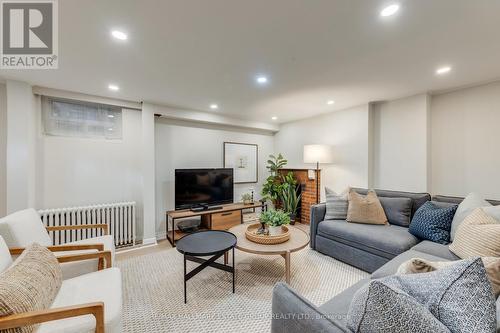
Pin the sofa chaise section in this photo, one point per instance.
(364, 246)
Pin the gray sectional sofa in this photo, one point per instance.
(379, 250)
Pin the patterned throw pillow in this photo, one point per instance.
(478, 235)
(336, 205)
(365, 209)
(456, 298)
(433, 222)
(30, 284)
(417, 265)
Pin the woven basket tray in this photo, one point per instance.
(251, 234)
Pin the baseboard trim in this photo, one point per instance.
(149, 241)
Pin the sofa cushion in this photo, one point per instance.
(338, 306)
(384, 240)
(30, 284)
(418, 199)
(478, 235)
(397, 210)
(459, 296)
(435, 249)
(5, 257)
(365, 209)
(336, 205)
(102, 286)
(23, 228)
(465, 208)
(392, 266)
(433, 223)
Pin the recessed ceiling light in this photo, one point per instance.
(214, 106)
(119, 35)
(113, 87)
(261, 79)
(443, 70)
(110, 116)
(330, 102)
(274, 118)
(389, 10)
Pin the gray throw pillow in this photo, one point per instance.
(397, 210)
(336, 205)
(458, 296)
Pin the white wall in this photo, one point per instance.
(3, 150)
(21, 146)
(465, 141)
(347, 131)
(189, 145)
(79, 171)
(400, 144)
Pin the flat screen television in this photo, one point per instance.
(195, 187)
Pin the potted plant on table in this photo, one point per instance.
(247, 199)
(275, 219)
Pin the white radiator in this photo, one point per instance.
(120, 218)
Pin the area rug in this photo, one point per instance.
(153, 291)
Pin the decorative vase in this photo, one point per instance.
(274, 231)
(247, 202)
(293, 216)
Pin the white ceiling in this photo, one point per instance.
(191, 53)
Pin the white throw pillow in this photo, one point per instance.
(466, 207)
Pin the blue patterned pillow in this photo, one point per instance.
(433, 222)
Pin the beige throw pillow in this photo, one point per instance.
(477, 236)
(30, 284)
(417, 265)
(365, 209)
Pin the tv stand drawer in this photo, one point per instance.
(226, 220)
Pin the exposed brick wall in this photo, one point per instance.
(308, 191)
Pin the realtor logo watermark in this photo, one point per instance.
(29, 34)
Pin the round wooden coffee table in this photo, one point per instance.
(298, 240)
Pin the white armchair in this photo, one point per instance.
(24, 227)
(87, 303)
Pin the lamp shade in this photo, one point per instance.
(318, 153)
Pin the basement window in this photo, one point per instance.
(70, 118)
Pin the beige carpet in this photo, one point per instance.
(153, 291)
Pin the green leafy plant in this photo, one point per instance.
(290, 198)
(275, 183)
(246, 197)
(275, 218)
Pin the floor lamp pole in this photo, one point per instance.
(317, 182)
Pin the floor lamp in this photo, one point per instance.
(317, 154)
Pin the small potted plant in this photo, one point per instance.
(247, 199)
(291, 200)
(274, 219)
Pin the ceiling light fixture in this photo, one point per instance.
(443, 70)
(110, 116)
(119, 35)
(330, 102)
(261, 79)
(214, 106)
(274, 118)
(389, 10)
(113, 87)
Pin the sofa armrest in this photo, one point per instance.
(294, 314)
(317, 215)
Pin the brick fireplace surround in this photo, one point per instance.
(308, 191)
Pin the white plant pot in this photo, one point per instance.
(275, 231)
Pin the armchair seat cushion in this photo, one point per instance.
(73, 269)
(102, 286)
(386, 241)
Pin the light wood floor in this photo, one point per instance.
(165, 245)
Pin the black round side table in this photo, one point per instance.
(214, 243)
